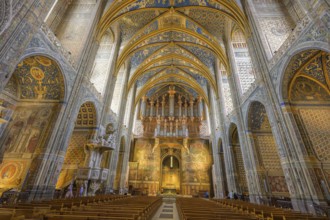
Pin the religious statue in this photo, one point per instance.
(106, 137)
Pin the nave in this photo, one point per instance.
(156, 97)
(123, 207)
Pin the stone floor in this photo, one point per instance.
(167, 211)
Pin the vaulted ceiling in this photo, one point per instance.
(172, 42)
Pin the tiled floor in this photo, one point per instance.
(167, 211)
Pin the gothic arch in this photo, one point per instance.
(235, 148)
(222, 164)
(269, 166)
(62, 67)
(84, 129)
(94, 107)
(306, 92)
(47, 75)
(294, 53)
(120, 164)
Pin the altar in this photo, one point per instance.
(169, 191)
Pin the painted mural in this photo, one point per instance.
(28, 128)
(144, 168)
(12, 173)
(148, 161)
(194, 166)
(38, 77)
(23, 139)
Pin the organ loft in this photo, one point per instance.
(140, 106)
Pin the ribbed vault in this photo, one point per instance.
(172, 42)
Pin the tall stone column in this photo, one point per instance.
(246, 147)
(111, 79)
(116, 153)
(128, 146)
(226, 172)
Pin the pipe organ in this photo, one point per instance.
(172, 114)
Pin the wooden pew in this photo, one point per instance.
(131, 208)
(192, 208)
(264, 211)
(103, 207)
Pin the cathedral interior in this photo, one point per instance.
(166, 97)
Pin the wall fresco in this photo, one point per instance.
(12, 173)
(28, 128)
(194, 166)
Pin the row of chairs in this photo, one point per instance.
(264, 212)
(97, 207)
(203, 209)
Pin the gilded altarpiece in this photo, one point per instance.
(192, 166)
(196, 168)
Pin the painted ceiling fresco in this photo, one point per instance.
(172, 41)
(37, 77)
